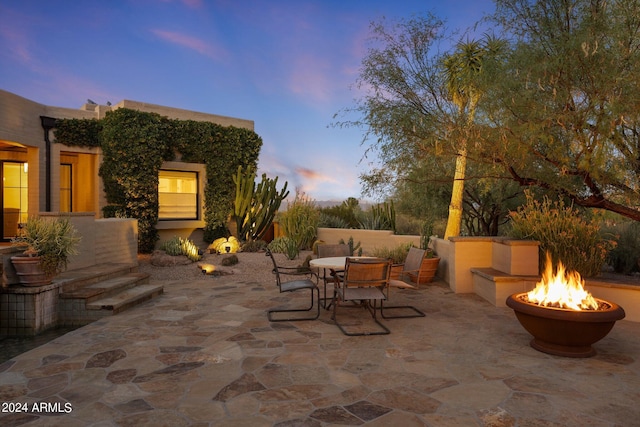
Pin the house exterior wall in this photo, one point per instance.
(20, 126)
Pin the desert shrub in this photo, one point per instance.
(406, 224)
(331, 221)
(300, 221)
(368, 221)
(565, 233)
(625, 257)
(179, 246)
(254, 246)
(397, 254)
(379, 217)
(346, 213)
(284, 245)
(229, 260)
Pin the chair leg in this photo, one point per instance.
(326, 301)
(290, 319)
(384, 331)
(416, 312)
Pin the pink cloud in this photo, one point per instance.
(308, 173)
(193, 43)
(337, 183)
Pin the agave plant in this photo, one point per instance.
(53, 240)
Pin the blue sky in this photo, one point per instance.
(288, 65)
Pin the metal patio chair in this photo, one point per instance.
(365, 282)
(411, 267)
(299, 284)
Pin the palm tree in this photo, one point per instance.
(463, 70)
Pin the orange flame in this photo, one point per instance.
(564, 289)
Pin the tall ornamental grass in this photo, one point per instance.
(300, 221)
(567, 235)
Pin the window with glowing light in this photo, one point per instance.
(177, 195)
(66, 189)
(15, 197)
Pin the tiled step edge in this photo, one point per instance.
(106, 288)
(126, 299)
(76, 279)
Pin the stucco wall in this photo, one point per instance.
(369, 239)
(108, 240)
(117, 240)
(180, 114)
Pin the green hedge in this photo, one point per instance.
(135, 144)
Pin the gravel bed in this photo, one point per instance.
(252, 266)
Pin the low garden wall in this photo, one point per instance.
(108, 240)
(368, 239)
(494, 268)
(625, 295)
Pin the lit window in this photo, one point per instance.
(15, 197)
(65, 188)
(178, 195)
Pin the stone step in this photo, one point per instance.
(126, 298)
(106, 288)
(94, 292)
(75, 279)
(495, 285)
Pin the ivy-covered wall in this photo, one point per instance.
(135, 144)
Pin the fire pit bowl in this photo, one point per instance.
(565, 332)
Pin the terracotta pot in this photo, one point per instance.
(564, 332)
(29, 271)
(428, 270)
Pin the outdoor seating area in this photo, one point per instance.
(360, 283)
(205, 353)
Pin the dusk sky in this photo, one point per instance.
(288, 65)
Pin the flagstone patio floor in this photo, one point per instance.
(204, 354)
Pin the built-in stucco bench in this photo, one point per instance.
(495, 285)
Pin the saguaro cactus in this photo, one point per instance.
(255, 205)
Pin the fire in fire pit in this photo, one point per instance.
(563, 317)
(564, 289)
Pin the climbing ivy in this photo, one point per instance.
(222, 149)
(79, 132)
(134, 145)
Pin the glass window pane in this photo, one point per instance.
(178, 195)
(65, 188)
(15, 197)
(12, 174)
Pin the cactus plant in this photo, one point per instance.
(255, 205)
(354, 249)
(384, 216)
(179, 246)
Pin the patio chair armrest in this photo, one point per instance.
(294, 271)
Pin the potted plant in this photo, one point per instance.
(49, 242)
(397, 256)
(429, 266)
